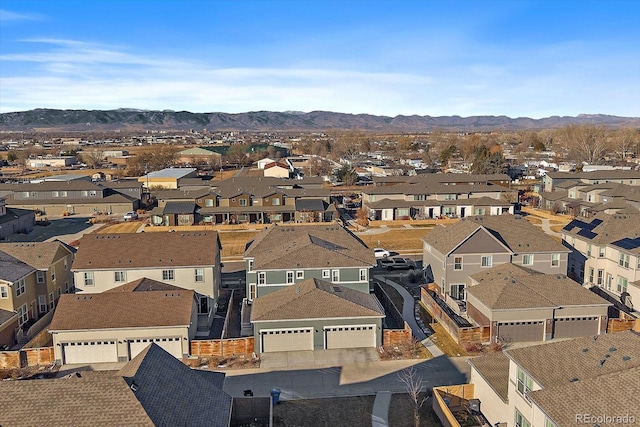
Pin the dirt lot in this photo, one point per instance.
(396, 239)
(123, 227)
(233, 242)
(348, 411)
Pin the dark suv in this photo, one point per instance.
(397, 263)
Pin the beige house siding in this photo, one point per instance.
(492, 406)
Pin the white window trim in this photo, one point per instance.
(290, 277)
(88, 278)
(40, 276)
(262, 277)
(557, 260)
(489, 258)
(531, 259)
(326, 274)
(249, 266)
(199, 278)
(335, 276)
(4, 290)
(461, 263)
(363, 275)
(21, 287)
(170, 274)
(299, 274)
(120, 276)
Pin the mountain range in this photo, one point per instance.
(132, 119)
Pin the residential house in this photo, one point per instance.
(188, 260)
(519, 304)
(76, 195)
(315, 314)
(118, 324)
(281, 256)
(167, 178)
(182, 206)
(590, 380)
(42, 162)
(630, 177)
(199, 155)
(606, 254)
(578, 198)
(262, 163)
(153, 389)
(32, 278)
(276, 170)
(451, 254)
(14, 220)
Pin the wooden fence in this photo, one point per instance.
(462, 335)
(415, 222)
(620, 325)
(397, 336)
(26, 357)
(454, 396)
(223, 348)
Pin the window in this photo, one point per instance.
(262, 278)
(525, 383)
(42, 304)
(457, 263)
(253, 291)
(199, 274)
(581, 271)
(521, 421)
(363, 275)
(52, 301)
(609, 281)
(275, 201)
(335, 275)
(449, 196)
(120, 276)
(527, 259)
(480, 211)
(326, 274)
(623, 261)
(40, 276)
(84, 193)
(457, 291)
(487, 261)
(168, 275)
(299, 274)
(289, 277)
(88, 279)
(588, 249)
(65, 265)
(622, 284)
(20, 287)
(590, 274)
(23, 315)
(4, 291)
(92, 193)
(66, 287)
(601, 252)
(555, 260)
(208, 203)
(243, 202)
(53, 275)
(599, 277)
(250, 265)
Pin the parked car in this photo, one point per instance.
(397, 263)
(130, 216)
(380, 253)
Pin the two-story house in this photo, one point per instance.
(583, 381)
(281, 256)
(606, 253)
(188, 260)
(32, 278)
(14, 220)
(451, 254)
(68, 195)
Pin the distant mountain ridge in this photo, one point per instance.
(132, 119)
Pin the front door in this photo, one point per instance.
(204, 305)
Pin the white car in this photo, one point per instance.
(130, 216)
(380, 253)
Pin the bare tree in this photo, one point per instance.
(588, 142)
(415, 386)
(624, 141)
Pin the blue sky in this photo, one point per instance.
(453, 57)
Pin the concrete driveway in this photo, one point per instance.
(317, 358)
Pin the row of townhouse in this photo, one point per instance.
(244, 200)
(582, 199)
(606, 254)
(552, 180)
(437, 195)
(507, 275)
(73, 195)
(33, 276)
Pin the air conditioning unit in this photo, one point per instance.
(474, 405)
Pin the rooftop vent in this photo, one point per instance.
(336, 289)
(612, 349)
(626, 358)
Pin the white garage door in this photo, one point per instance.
(171, 345)
(286, 339)
(350, 336)
(89, 352)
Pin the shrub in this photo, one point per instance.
(473, 347)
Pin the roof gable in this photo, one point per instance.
(481, 241)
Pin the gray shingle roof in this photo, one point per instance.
(605, 229)
(12, 269)
(315, 299)
(311, 205)
(172, 394)
(179, 208)
(302, 247)
(494, 369)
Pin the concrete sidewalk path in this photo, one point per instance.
(546, 227)
(380, 413)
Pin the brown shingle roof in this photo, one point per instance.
(92, 399)
(145, 284)
(123, 310)
(315, 299)
(146, 250)
(508, 286)
(515, 233)
(308, 246)
(580, 358)
(604, 228)
(39, 255)
(495, 370)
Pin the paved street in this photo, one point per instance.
(352, 379)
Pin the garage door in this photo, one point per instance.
(350, 336)
(571, 327)
(171, 345)
(89, 352)
(521, 331)
(286, 339)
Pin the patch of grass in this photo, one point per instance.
(396, 239)
(441, 337)
(557, 228)
(123, 227)
(334, 411)
(233, 242)
(533, 220)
